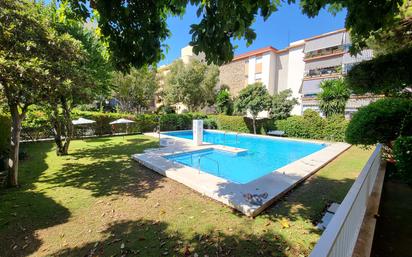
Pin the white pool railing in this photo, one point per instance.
(341, 234)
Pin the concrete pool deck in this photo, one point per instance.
(275, 184)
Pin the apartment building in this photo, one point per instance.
(301, 67)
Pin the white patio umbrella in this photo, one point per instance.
(82, 121)
(122, 121)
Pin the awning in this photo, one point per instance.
(324, 42)
(312, 87)
(324, 63)
(362, 56)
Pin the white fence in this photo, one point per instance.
(340, 236)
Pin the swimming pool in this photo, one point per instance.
(263, 155)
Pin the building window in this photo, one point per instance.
(259, 59)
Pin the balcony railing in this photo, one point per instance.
(325, 51)
(337, 70)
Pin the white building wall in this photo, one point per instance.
(272, 87)
(251, 70)
(187, 55)
(296, 67)
(266, 70)
(282, 71)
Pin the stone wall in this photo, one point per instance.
(233, 75)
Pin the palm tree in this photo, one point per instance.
(333, 98)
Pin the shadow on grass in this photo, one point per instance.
(154, 238)
(107, 169)
(310, 199)
(24, 211)
(307, 201)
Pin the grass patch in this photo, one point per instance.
(98, 202)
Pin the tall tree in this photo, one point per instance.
(282, 104)
(81, 68)
(72, 86)
(30, 51)
(193, 84)
(25, 44)
(135, 90)
(333, 97)
(24, 40)
(253, 99)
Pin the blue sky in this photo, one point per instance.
(286, 25)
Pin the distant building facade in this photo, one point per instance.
(301, 67)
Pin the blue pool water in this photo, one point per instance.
(263, 155)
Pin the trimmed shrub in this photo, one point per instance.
(335, 128)
(311, 125)
(209, 124)
(402, 152)
(293, 126)
(381, 122)
(231, 123)
(241, 124)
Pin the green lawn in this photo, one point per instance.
(98, 202)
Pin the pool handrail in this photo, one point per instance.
(217, 163)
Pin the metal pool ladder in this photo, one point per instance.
(213, 160)
(237, 134)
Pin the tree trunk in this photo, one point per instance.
(62, 145)
(13, 163)
(68, 125)
(254, 124)
(57, 129)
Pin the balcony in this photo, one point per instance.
(330, 51)
(324, 72)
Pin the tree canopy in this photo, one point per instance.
(224, 103)
(192, 84)
(253, 99)
(282, 104)
(136, 30)
(135, 90)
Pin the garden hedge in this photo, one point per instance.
(312, 126)
(382, 121)
(402, 152)
(241, 124)
(37, 125)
